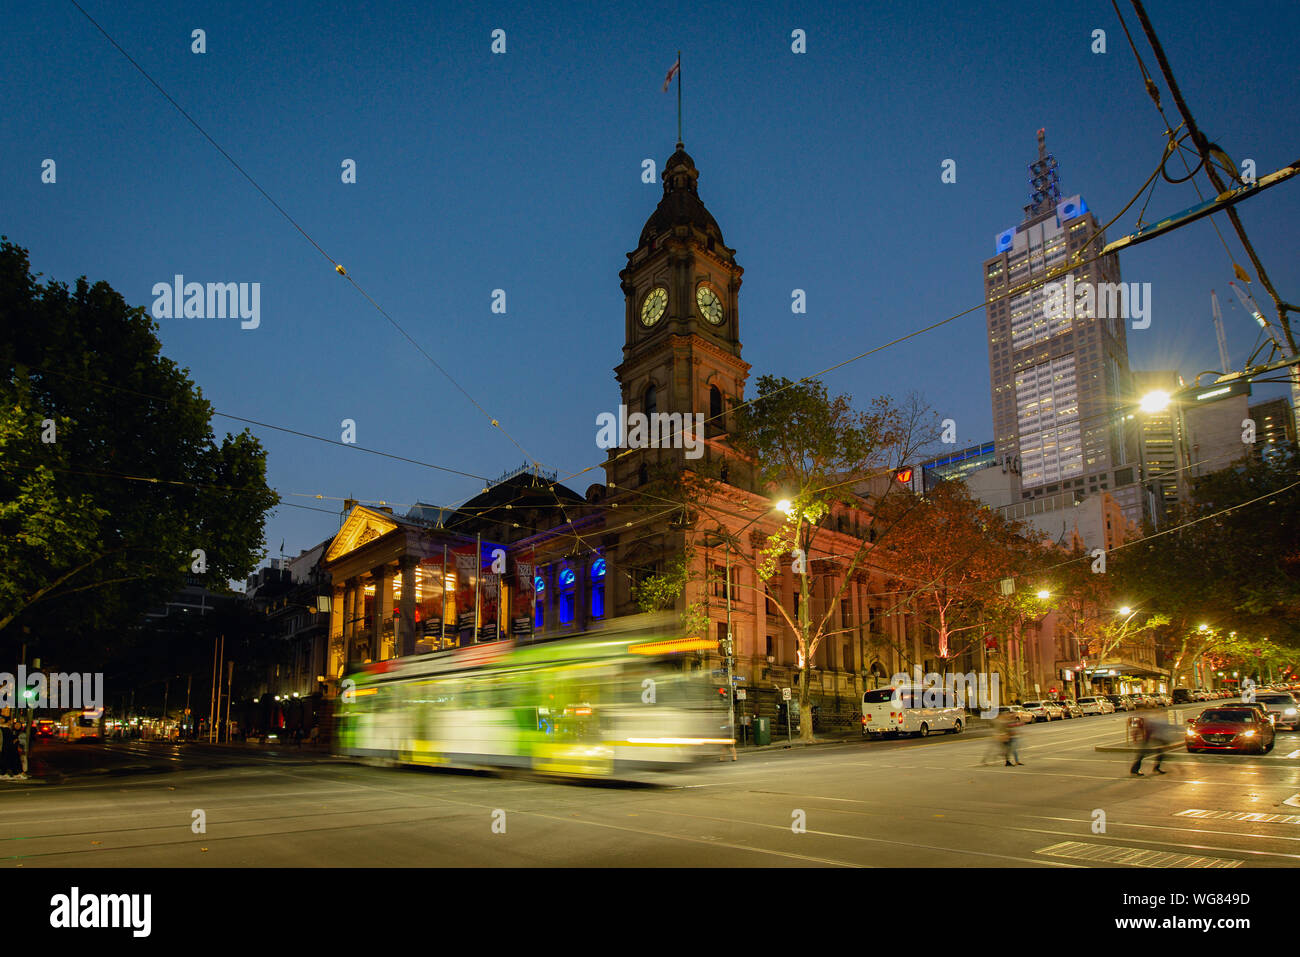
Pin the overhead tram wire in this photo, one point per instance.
(449, 509)
(267, 425)
(1018, 290)
(1206, 149)
(495, 423)
(338, 267)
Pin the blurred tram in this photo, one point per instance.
(606, 703)
(86, 724)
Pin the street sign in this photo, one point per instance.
(736, 679)
(740, 694)
(785, 694)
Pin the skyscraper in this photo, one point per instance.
(1059, 367)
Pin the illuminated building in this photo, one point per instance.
(1059, 381)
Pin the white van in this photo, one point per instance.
(903, 711)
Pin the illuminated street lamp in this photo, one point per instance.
(1044, 594)
(1156, 401)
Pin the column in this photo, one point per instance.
(406, 629)
(349, 620)
(383, 609)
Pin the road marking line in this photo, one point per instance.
(1253, 817)
(1113, 854)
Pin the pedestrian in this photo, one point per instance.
(11, 764)
(1152, 736)
(1008, 733)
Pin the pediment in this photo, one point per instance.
(363, 525)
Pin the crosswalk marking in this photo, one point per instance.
(1254, 817)
(1113, 854)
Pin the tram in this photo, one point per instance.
(605, 703)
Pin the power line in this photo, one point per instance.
(338, 267)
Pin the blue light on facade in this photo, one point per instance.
(566, 577)
(539, 586)
(598, 568)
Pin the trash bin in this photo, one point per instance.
(762, 731)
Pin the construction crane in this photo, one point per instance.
(1218, 331)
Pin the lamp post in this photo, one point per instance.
(730, 649)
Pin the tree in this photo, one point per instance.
(814, 450)
(946, 557)
(113, 488)
(1229, 560)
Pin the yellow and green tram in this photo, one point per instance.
(606, 703)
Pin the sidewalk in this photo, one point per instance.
(974, 726)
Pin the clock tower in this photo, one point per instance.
(681, 352)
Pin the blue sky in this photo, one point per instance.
(521, 172)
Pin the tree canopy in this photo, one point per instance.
(113, 488)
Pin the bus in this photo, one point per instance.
(606, 703)
(87, 723)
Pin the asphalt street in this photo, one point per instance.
(944, 801)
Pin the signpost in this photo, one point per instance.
(785, 696)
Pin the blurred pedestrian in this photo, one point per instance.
(11, 764)
(1152, 736)
(1008, 732)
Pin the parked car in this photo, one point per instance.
(1229, 729)
(1283, 706)
(1041, 710)
(1070, 708)
(1263, 710)
(1018, 713)
(1182, 695)
(1122, 702)
(1095, 705)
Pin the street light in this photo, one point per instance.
(786, 507)
(1044, 594)
(1126, 610)
(1155, 401)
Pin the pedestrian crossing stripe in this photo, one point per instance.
(1132, 856)
(1254, 817)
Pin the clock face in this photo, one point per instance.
(653, 307)
(710, 305)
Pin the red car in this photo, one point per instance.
(1230, 729)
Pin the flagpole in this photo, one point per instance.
(679, 97)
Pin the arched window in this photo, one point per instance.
(566, 580)
(598, 588)
(715, 403)
(651, 400)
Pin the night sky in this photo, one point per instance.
(522, 172)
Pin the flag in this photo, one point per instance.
(671, 73)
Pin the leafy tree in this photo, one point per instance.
(103, 522)
(814, 450)
(947, 557)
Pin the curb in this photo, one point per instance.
(1135, 749)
